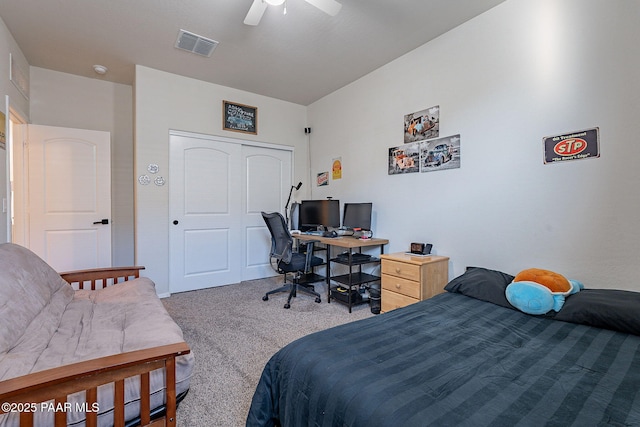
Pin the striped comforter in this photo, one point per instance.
(453, 361)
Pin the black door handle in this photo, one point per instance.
(175, 222)
(103, 221)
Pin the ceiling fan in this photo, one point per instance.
(330, 7)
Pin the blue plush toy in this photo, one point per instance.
(537, 291)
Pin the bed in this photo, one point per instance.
(465, 357)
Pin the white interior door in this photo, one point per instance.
(204, 208)
(267, 181)
(69, 196)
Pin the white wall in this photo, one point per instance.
(9, 47)
(61, 99)
(522, 71)
(165, 101)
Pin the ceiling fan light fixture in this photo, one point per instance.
(258, 7)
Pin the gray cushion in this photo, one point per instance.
(32, 295)
(50, 325)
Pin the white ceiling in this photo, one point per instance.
(298, 57)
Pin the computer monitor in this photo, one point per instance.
(294, 215)
(314, 214)
(357, 215)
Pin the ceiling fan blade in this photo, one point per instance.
(255, 12)
(330, 7)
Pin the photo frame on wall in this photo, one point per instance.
(239, 117)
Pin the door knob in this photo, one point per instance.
(103, 221)
(175, 222)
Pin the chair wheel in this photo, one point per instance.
(265, 298)
(287, 305)
(318, 300)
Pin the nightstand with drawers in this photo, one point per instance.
(408, 278)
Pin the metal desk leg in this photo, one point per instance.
(328, 275)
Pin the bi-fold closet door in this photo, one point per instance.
(217, 189)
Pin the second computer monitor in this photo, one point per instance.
(357, 215)
(319, 213)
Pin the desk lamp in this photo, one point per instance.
(286, 207)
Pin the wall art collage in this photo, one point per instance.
(423, 149)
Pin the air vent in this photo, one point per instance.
(195, 44)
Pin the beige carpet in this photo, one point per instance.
(233, 333)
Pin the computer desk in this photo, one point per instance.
(346, 242)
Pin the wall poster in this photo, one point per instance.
(421, 125)
(578, 145)
(322, 179)
(336, 168)
(425, 156)
(440, 154)
(404, 159)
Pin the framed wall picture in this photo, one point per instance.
(239, 117)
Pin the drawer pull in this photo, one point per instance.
(397, 269)
(397, 285)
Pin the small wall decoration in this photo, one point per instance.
(323, 179)
(578, 145)
(404, 159)
(421, 125)
(3, 136)
(239, 118)
(336, 168)
(440, 154)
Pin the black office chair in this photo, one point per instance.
(284, 260)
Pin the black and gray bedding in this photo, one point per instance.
(463, 358)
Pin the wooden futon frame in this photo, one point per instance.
(29, 391)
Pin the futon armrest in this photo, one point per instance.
(58, 383)
(101, 277)
(29, 387)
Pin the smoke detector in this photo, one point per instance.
(100, 69)
(195, 44)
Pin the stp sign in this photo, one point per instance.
(572, 146)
